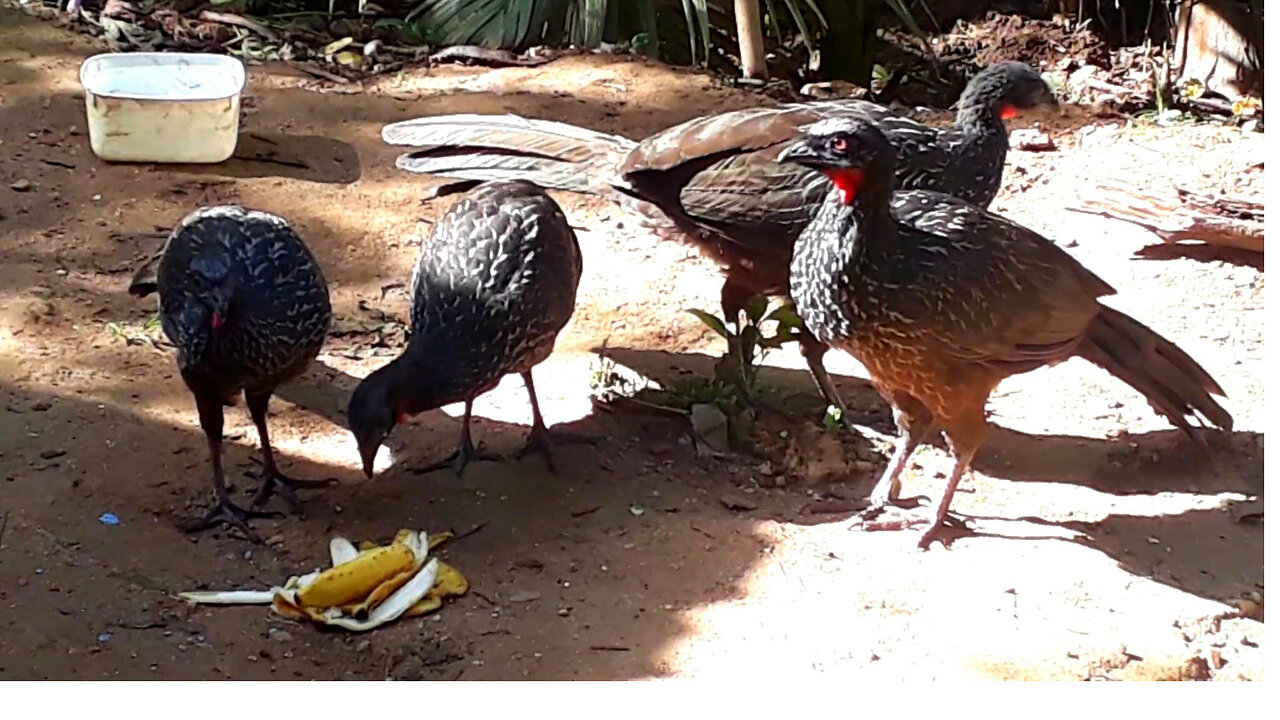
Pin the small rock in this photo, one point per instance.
(523, 596)
(564, 612)
(710, 426)
(1032, 140)
(833, 89)
(278, 635)
(737, 502)
(51, 454)
(20, 185)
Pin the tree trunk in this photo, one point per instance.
(1219, 43)
(750, 39)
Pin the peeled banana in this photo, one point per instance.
(367, 586)
(358, 577)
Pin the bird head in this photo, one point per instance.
(1008, 86)
(214, 285)
(845, 150)
(218, 299)
(370, 415)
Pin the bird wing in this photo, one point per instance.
(1004, 294)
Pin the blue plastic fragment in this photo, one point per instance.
(104, 637)
(108, 519)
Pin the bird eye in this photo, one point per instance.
(839, 144)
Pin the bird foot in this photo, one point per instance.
(945, 531)
(912, 513)
(871, 425)
(542, 441)
(899, 515)
(463, 456)
(225, 512)
(286, 487)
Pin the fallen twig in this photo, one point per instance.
(410, 51)
(477, 528)
(317, 72)
(1179, 215)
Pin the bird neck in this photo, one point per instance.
(411, 387)
(982, 111)
(860, 222)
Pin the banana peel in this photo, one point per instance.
(367, 586)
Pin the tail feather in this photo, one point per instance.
(143, 282)
(550, 154)
(1174, 383)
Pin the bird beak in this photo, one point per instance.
(367, 455)
(798, 153)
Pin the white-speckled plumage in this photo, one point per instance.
(278, 310)
(496, 281)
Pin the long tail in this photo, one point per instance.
(1175, 384)
(552, 155)
(143, 282)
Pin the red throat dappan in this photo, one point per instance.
(402, 418)
(1008, 112)
(217, 321)
(847, 181)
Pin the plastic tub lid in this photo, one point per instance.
(173, 77)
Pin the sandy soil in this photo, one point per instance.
(1107, 546)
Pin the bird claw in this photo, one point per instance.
(286, 487)
(542, 441)
(225, 512)
(945, 531)
(897, 514)
(459, 459)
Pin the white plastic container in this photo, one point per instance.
(163, 107)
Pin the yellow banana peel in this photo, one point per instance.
(358, 577)
(367, 586)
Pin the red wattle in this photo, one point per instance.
(847, 181)
(217, 321)
(402, 418)
(1008, 112)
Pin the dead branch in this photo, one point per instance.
(238, 21)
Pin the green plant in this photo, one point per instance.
(512, 23)
(747, 349)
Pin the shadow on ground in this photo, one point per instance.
(1179, 548)
(593, 608)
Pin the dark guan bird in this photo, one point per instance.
(495, 283)
(941, 300)
(714, 181)
(245, 303)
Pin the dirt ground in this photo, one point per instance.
(1107, 545)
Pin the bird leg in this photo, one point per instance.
(964, 439)
(942, 518)
(273, 481)
(813, 351)
(914, 422)
(464, 455)
(223, 512)
(540, 438)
